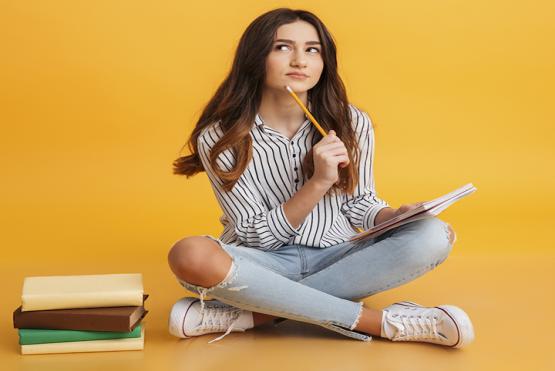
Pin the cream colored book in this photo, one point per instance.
(110, 345)
(86, 291)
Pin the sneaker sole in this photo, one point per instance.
(177, 317)
(465, 330)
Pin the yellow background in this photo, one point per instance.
(97, 98)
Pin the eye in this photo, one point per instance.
(278, 47)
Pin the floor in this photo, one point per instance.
(508, 297)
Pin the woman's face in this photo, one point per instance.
(296, 49)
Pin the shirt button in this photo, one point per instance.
(296, 180)
(294, 155)
(295, 168)
(292, 142)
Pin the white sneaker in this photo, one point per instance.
(187, 318)
(445, 324)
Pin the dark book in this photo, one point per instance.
(123, 319)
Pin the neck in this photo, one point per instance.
(280, 111)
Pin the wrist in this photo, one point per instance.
(319, 186)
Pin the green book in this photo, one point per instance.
(42, 336)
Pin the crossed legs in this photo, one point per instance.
(201, 261)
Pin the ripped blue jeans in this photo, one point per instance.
(322, 285)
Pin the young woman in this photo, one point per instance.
(291, 199)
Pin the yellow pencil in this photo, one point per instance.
(311, 118)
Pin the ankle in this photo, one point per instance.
(370, 321)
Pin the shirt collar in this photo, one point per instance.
(258, 120)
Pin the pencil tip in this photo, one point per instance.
(288, 88)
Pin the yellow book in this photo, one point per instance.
(85, 291)
(87, 346)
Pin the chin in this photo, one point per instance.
(298, 86)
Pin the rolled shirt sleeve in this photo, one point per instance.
(255, 224)
(363, 205)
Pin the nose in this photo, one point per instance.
(298, 59)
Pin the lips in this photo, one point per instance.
(297, 75)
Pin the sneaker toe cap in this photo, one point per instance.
(177, 316)
(463, 331)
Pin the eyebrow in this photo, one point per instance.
(293, 42)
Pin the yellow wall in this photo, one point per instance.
(97, 98)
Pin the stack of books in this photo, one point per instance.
(87, 313)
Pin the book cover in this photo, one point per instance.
(122, 319)
(109, 345)
(85, 291)
(43, 336)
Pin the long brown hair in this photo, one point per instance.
(236, 102)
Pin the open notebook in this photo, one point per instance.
(425, 210)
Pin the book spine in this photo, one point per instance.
(72, 322)
(42, 336)
(85, 346)
(61, 320)
(31, 302)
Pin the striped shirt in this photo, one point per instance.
(253, 213)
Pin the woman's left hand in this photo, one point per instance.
(388, 212)
(406, 207)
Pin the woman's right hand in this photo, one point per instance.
(328, 154)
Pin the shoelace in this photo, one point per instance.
(415, 327)
(215, 319)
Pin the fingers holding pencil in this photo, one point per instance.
(337, 140)
(329, 155)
